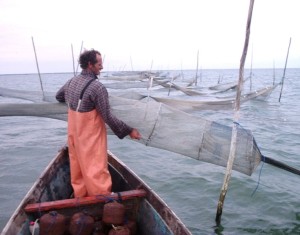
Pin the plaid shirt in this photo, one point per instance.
(94, 97)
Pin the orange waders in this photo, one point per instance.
(87, 140)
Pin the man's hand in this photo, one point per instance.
(135, 134)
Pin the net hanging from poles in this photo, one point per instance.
(160, 125)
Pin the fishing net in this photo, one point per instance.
(160, 125)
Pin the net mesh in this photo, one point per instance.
(160, 125)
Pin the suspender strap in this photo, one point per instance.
(82, 92)
(86, 86)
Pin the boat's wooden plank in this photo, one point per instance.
(68, 203)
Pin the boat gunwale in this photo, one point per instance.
(167, 215)
(161, 207)
(20, 213)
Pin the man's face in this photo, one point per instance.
(96, 68)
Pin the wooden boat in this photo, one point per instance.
(52, 191)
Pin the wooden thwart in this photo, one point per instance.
(75, 202)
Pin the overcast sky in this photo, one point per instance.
(145, 34)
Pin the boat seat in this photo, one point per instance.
(69, 203)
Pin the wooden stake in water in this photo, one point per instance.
(79, 55)
(73, 60)
(282, 81)
(251, 69)
(236, 116)
(170, 86)
(38, 69)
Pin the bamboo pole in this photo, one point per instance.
(282, 81)
(38, 69)
(251, 69)
(73, 59)
(151, 66)
(79, 55)
(236, 116)
(170, 86)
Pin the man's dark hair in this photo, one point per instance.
(88, 56)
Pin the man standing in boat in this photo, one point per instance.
(88, 112)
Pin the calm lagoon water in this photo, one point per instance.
(267, 202)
